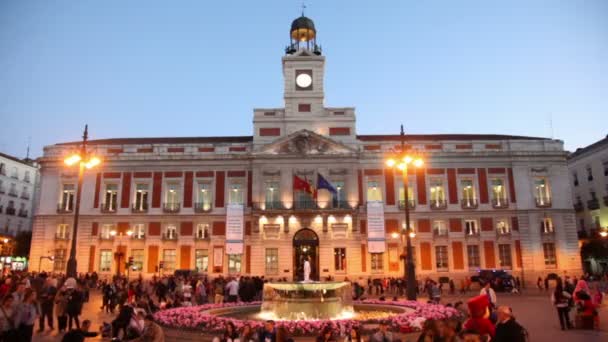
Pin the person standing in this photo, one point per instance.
(74, 303)
(233, 290)
(507, 329)
(307, 269)
(488, 291)
(47, 301)
(561, 299)
(61, 302)
(8, 330)
(27, 312)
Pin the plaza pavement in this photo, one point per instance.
(533, 310)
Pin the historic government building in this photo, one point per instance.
(300, 186)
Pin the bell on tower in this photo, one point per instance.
(303, 36)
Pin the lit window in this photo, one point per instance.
(589, 173)
(441, 258)
(437, 192)
(138, 260)
(340, 259)
(110, 197)
(201, 260)
(377, 261)
(59, 260)
(236, 194)
(139, 230)
(272, 261)
(468, 191)
(549, 253)
(63, 231)
(470, 227)
(410, 194)
(171, 232)
(105, 231)
(204, 196)
(546, 225)
(141, 197)
(339, 198)
(499, 193)
(169, 260)
(541, 189)
(272, 194)
(173, 194)
(440, 228)
(105, 260)
(202, 231)
(504, 256)
(374, 192)
(66, 202)
(234, 263)
(502, 227)
(473, 256)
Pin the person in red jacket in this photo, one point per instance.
(479, 320)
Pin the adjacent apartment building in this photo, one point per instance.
(18, 188)
(307, 184)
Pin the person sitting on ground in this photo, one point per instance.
(152, 331)
(269, 333)
(507, 329)
(382, 335)
(78, 335)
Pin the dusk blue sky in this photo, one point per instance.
(198, 68)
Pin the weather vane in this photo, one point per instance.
(303, 7)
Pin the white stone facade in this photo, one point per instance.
(19, 181)
(516, 183)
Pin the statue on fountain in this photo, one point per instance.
(307, 270)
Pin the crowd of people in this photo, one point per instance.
(56, 302)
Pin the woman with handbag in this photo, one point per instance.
(8, 331)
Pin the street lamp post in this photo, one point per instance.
(84, 161)
(402, 163)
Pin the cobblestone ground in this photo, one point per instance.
(533, 310)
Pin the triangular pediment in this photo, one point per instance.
(305, 142)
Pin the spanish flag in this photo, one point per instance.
(302, 185)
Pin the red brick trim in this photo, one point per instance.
(496, 170)
(372, 172)
(237, 149)
(175, 149)
(339, 131)
(145, 150)
(173, 174)
(142, 175)
(111, 175)
(206, 149)
(202, 174)
(236, 174)
(270, 132)
(466, 171)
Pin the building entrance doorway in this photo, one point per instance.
(305, 244)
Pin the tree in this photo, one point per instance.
(23, 240)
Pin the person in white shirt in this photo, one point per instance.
(233, 290)
(487, 290)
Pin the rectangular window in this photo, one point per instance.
(589, 173)
(410, 194)
(470, 227)
(441, 258)
(541, 189)
(468, 191)
(169, 259)
(499, 192)
(440, 228)
(339, 198)
(605, 164)
(141, 197)
(110, 197)
(437, 192)
(504, 256)
(272, 261)
(549, 252)
(201, 260)
(473, 256)
(106, 231)
(202, 231)
(373, 191)
(139, 230)
(26, 177)
(105, 260)
(173, 194)
(67, 197)
(234, 263)
(377, 261)
(63, 231)
(236, 194)
(138, 260)
(271, 193)
(546, 225)
(502, 227)
(171, 231)
(60, 260)
(340, 259)
(204, 196)
(575, 178)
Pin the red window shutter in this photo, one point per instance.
(95, 229)
(518, 258)
(126, 190)
(458, 255)
(496, 170)
(184, 257)
(152, 258)
(185, 229)
(511, 186)
(220, 178)
(455, 225)
(97, 190)
(175, 149)
(219, 228)
(425, 256)
(435, 171)
(235, 174)
(249, 188)
(424, 225)
(452, 187)
(123, 228)
(363, 226)
(154, 229)
(487, 224)
(111, 175)
(248, 259)
(157, 185)
(248, 228)
(514, 223)
(360, 185)
(488, 251)
(363, 258)
(389, 179)
(421, 186)
(392, 226)
(466, 171)
(483, 185)
(188, 186)
(173, 174)
(339, 131)
(203, 174)
(92, 259)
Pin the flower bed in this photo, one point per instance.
(196, 318)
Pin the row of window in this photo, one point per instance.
(11, 209)
(14, 173)
(589, 171)
(12, 191)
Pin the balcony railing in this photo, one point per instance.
(14, 176)
(10, 211)
(202, 207)
(108, 207)
(12, 193)
(202, 236)
(547, 230)
(469, 203)
(138, 236)
(500, 203)
(471, 233)
(171, 207)
(22, 213)
(106, 237)
(25, 196)
(440, 233)
(305, 205)
(503, 232)
(593, 204)
(169, 236)
(439, 204)
(542, 202)
(410, 203)
(139, 207)
(62, 236)
(578, 207)
(63, 208)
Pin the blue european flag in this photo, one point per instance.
(323, 183)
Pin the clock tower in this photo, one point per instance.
(303, 92)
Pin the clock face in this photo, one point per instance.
(303, 80)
